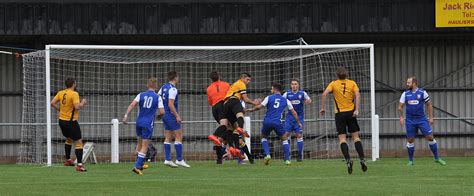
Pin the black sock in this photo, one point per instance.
(218, 152)
(246, 150)
(220, 131)
(345, 151)
(79, 155)
(360, 150)
(67, 149)
(235, 140)
(240, 122)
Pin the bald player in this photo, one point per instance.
(415, 119)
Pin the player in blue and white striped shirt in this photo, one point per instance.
(298, 99)
(149, 103)
(415, 99)
(172, 121)
(276, 105)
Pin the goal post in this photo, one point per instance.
(109, 76)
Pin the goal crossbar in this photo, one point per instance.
(266, 47)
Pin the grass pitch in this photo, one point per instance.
(316, 177)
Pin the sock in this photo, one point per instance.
(434, 149)
(167, 151)
(359, 149)
(411, 150)
(240, 122)
(238, 159)
(140, 160)
(286, 150)
(220, 131)
(223, 150)
(345, 151)
(179, 150)
(266, 149)
(242, 152)
(78, 152)
(235, 140)
(246, 150)
(218, 152)
(300, 144)
(67, 148)
(79, 155)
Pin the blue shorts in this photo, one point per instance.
(170, 123)
(267, 129)
(292, 125)
(413, 125)
(144, 132)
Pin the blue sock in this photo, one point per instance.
(140, 160)
(411, 150)
(167, 151)
(179, 151)
(434, 149)
(286, 149)
(300, 147)
(242, 153)
(224, 149)
(265, 147)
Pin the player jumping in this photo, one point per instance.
(216, 92)
(276, 105)
(298, 99)
(234, 111)
(415, 99)
(70, 105)
(148, 102)
(344, 91)
(172, 121)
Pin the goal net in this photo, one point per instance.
(109, 77)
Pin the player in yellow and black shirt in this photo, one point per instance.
(69, 106)
(345, 92)
(233, 110)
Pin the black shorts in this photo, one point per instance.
(70, 129)
(218, 111)
(345, 122)
(231, 108)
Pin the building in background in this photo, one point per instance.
(404, 33)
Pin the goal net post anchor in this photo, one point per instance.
(88, 153)
(114, 141)
(375, 138)
(248, 128)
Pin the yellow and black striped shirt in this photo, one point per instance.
(67, 98)
(344, 94)
(236, 90)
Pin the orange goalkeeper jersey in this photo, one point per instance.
(216, 92)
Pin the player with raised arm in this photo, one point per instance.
(69, 106)
(148, 102)
(234, 111)
(345, 91)
(276, 105)
(172, 121)
(298, 99)
(415, 99)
